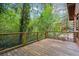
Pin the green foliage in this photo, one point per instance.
(2, 8)
(25, 17)
(9, 21)
(48, 21)
(16, 18)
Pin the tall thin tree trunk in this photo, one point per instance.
(24, 20)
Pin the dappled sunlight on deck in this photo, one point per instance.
(46, 47)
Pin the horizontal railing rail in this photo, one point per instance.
(36, 32)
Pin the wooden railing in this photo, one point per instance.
(10, 40)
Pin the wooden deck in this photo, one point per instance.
(46, 47)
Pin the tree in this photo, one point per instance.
(24, 19)
(48, 21)
(2, 7)
(9, 18)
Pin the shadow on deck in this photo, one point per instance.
(46, 47)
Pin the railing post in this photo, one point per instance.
(75, 33)
(20, 38)
(46, 34)
(24, 41)
(37, 36)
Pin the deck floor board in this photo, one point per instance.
(46, 47)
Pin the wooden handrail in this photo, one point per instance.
(33, 32)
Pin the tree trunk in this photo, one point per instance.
(24, 20)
